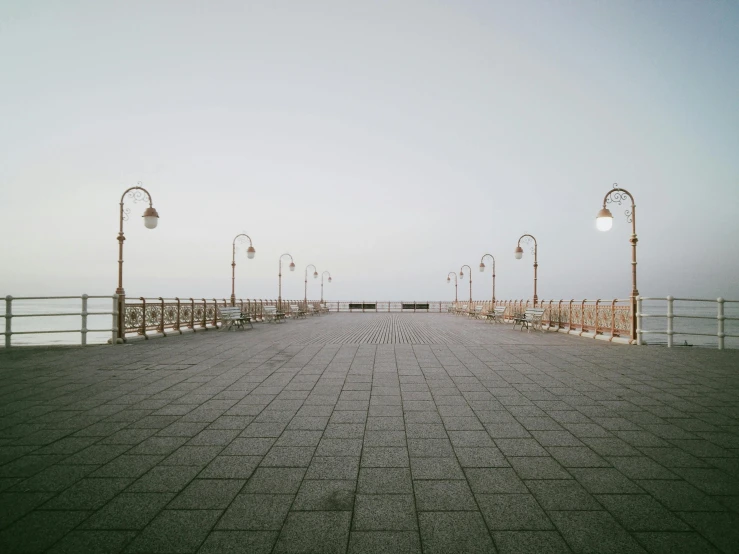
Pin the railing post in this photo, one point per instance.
(8, 319)
(670, 315)
(114, 337)
(596, 317)
(83, 331)
(161, 317)
(192, 314)
(720, 317)
(142, 331)
(177, 323)
(638, 320)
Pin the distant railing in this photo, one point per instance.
(701, 318)
(83, 314)
(376, 306)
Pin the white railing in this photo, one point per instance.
(698, 317)
(83, 313)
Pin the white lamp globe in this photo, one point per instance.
(604, 220)
(250, 252)
(518, 252)
(151, 218)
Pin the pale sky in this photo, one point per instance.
(388, 142)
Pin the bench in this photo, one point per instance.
(231, 316)
(414, 306)
(271, 315)
(497, 315)
(297, 311)
(531, 319)
(477, 312)
(461, 309)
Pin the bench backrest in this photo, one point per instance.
(535, 311)
(499, 309)
(229, 311)
(270, 309)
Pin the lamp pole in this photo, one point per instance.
(279, 280)
(461, 274)
(482, 268)
(329, 280)
(151, 218)
(315, 276)
(519, 252)
(604, 222)
(249, 254)
(449, 279)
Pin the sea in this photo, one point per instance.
(702, 319)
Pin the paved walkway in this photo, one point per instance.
(369, 433)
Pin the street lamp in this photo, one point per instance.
(279, 280)
(519, 253)
(151, 218)
(461, 274)
(604, 222)
(315, 276)
(482, 268)
(249, 254)
(329, 280)
(449, 280)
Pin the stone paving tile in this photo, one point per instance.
(290, 439)
(445, 532)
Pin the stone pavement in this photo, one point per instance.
(369, 433)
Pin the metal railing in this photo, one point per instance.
(160, 315)
(84, 313)
(377, 306)
(606, 319)
(702, 319)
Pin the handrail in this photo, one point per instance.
(84, 313)
(670, 316)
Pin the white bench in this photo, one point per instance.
(497, 315)
(271, 315)
(297, 311)
(476, 313)
(531, 319)
(231, 316)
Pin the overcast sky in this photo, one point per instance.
(388, 142)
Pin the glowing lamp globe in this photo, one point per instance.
(604, 220)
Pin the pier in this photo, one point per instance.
(369, 432)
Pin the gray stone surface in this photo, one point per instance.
(369, 433)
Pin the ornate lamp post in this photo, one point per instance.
(249, 254)
(315, 276)
(482, 268)
(461, 274)
(519, 252)
(449, 280)
(604, 222)
(279, 280)
(151, 218)
(329, 280)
